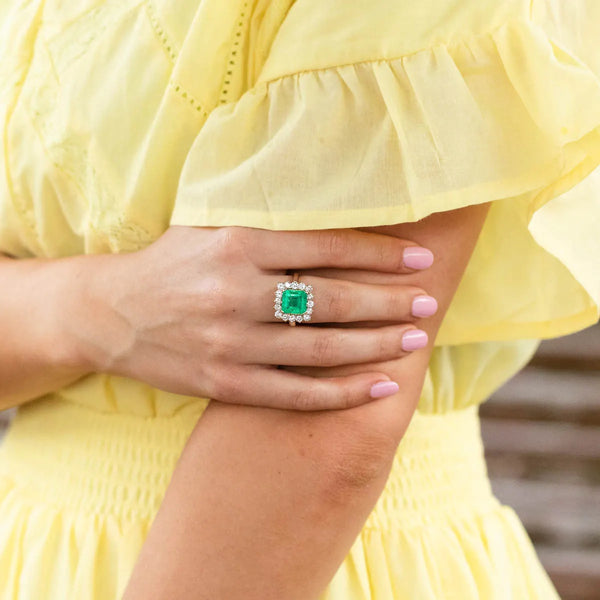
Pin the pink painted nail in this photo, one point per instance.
(424, 306)
(416, 257)
(414, 339)
(383, 389)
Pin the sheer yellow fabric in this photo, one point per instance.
(119, 118)
(505, 114)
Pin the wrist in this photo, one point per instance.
(84, 325)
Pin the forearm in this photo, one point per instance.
(265, 504)
(35, 354)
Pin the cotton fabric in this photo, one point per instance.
(120, 118)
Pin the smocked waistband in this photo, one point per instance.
(65, 454)
(438, 470)
(111, 463)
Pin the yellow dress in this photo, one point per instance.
(120, 117)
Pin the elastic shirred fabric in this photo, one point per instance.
(107, 463)
(84, 460)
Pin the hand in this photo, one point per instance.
(193, 314)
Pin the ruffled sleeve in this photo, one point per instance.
(383, 122)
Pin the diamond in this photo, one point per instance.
(310, 303)
(280, 286)
(309, 311)
(294, 285)
(306, 317)
(310, 296)
(302, 286)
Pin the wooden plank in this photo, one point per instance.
(563, 513)
(560, 469)
(541, 439)
(575, 572)
(544, 394)
(580, 350)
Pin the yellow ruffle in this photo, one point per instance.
(48, 552)
(507, 116)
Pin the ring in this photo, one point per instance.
(294, 301)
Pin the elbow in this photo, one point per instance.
(361, 447)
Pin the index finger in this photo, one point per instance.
(341, 248)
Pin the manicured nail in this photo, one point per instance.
(424, 306)
(414, 339)
(416, 257)
(383, 389)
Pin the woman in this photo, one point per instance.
(458, 127)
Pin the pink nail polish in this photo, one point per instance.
(414, 339)
(424, 306)
(383, 389)
(416, 257)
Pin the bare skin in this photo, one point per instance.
(178, 315)
(320, 471)
(265, 503)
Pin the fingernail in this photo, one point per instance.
(424, 306)
(416, 257)
(414, 339)
(383, 389)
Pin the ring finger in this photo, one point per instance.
(340, 301)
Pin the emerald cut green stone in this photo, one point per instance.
(293, 302)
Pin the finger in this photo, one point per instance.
(276, 388)
(328, 347)
(341, 301)
(342, 248)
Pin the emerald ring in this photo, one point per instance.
(294, 301)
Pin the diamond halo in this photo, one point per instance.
(294, 301)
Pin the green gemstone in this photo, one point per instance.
(294, 302)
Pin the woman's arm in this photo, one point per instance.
(36, 356)
(170, 315)
(266, 503)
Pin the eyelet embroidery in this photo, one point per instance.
(159, 30)
(234, 50)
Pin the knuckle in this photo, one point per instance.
(223, 347)
(344, 398)
(387, 345)
(390, 344)
(230, 242)
(325, 349)
(320, 397)
(335, 244)
(338, 304)
(200, 382)
(386, 254)
(224, 386)
(305, 400)
(391, 302)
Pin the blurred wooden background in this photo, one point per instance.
(542, 436)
